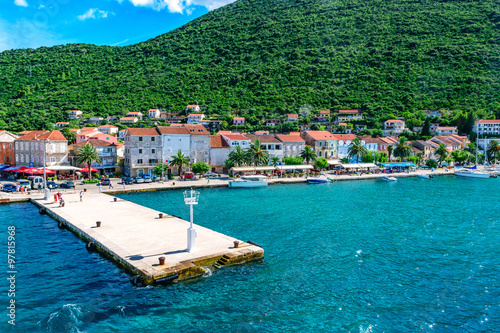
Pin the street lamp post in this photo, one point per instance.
(191, 198)
(46, 191)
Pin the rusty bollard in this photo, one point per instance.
(160, 215)
(161, 260)
(84, 190)
(173, 183)
(236, 244)
(115, 199)
(98, 224)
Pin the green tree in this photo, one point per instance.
(493, 151)
(431, 163)
(256, 155)
(88, 154)
(308, 154)
(426, 128)
(238, 156)
(321, 163)
(402, 149)
(275, 161)
(200, 167)
(160, 169)
(441, 152)
(356, 149)
(70, 136)
(460, 156)
(390, 148)
(180, 160)
(293, 160)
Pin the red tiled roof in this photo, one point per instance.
(127, 118)
(94, 142)
(262, 138)
(217, 141)
(142, 131)
(238, 118)
(494, 121)
(293, 115)
(184, 129)
(447, 128)
(235, 136)
(262, 132)
(320, 135)
(348, 111)
(107, 126)
(290, 138)
(324, 112)
(153, 110)
(42, 135)
(394, 121)
(133, 113)
(344, 137)
(294, 133)
(343, 124)
(191, 106)
(74, 130)
(195, 114)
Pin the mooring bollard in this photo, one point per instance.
(236, 244)
(98, 224)
(84, 190)
(161, 260)
(115, 199)
(161, 215)
(173, 183)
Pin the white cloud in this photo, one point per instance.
(21, 3)
(179, 6)
(94, 13)
(27, 34)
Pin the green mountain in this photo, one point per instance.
(388, 57)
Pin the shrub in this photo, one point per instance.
(93, 181)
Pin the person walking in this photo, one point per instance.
(123, 182)
(208, 180)
(110, 185)
(55, 197)
(81, 196)
(61, 202)
(39, 188)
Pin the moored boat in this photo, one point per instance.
(318, 180)
(389, 179)
(469, 173)
(425, 176)
(249, 181)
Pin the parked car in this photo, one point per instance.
(67, 184)
(105, 181)
(52, 185)
(147, 178)
(138, 180)
(24, 183)
(128, 180)
(211, 175)
(9, 187)
(187, 175)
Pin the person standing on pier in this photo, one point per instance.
(81, 196)
(110, 185)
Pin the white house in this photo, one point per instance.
(95, 120)
(485, 126)
(61, 124)
(343, 143)
(192, 108)
(238, 121)
(443, 131)
(107, 129)
(268, 143)
(154, 113)
(394, 127)
(234, 140)
(293, 117)
(128, 120)
(219, 153)
(195, 118)
(74, 114)
(293, 145)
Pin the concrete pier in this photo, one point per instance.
(136, 237)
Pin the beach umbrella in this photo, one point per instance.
(86, 169)
(21, 169)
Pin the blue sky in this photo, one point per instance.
(35, 23)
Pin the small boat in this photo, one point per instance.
(425, 176)
(318, 180)
(249, 181)
(469, 173)
(389, 179)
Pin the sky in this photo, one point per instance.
(35, 23)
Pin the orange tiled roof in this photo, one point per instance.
(290, 138)
(235, 136)
(94, 142)
(394, 121)
(488, 121)
(142, 131)
(348, 111)
(42, 135)
(320, 135)
(217, 141)
(262, 138)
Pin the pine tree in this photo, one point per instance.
(426, 129)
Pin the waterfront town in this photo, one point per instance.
(135, 144)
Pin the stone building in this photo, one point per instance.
(30, 148)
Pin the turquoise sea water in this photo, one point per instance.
(367, 256)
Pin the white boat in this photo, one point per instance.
(471, 173)
(318, 180)
(249, 181)
(425, 176)
(389, 179)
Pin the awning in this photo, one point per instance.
(294, 167)
(334, 162)
(4, 167)
(12, 168)
(358, 165)
(251, 169)
(62, 167)
(398, 164)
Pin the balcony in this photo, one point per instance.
(144, 165)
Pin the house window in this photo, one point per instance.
(140, 151)
(152, 161)
(140, 138)
(153, 151)
(139, 161)
(52, 159)
(152, 138)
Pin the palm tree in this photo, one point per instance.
(493, 150)
(356, 149)
(389, 152)
(308, 154)
(442, 152)
(88, 154)
(402, 149)
(275, 160)
(420, 158)
(256, 155)
(180, 160)
(237, 156)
